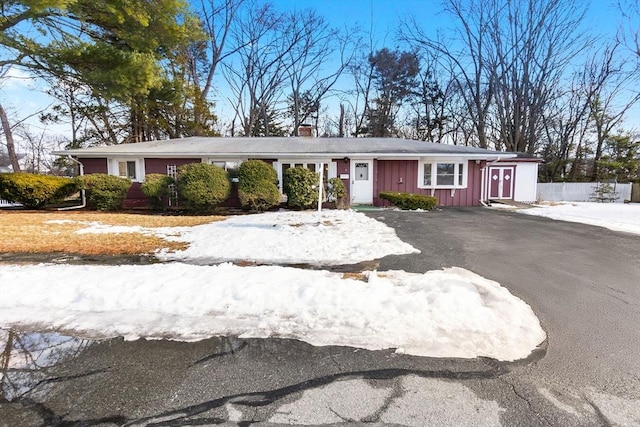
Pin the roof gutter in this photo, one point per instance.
(82, 192)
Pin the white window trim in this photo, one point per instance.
(333, 168)
(434, 172)
(112, 167)
(214, 160)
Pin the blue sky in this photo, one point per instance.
(22, 96)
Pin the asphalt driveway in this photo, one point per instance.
(583, 282)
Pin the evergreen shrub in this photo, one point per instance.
(34, 191)
(203, 186)
(409, 201)
(156, 187)
(257, 187)
(336, 192)
(105, 192)
(300, 186)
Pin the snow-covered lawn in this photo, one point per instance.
(334, 237)
(614, 216)
(448, 313)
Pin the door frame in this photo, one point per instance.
(365, 191)
(500, 171)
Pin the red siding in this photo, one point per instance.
(135, 197)
(94, 165)
(402, 175)
(160, 165)
(343, 166)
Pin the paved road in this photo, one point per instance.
(583, 282)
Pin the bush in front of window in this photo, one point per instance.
(257, 187)
(336, 192)
(156, 188)
(105, 192)
(300, 186)
(409, 201)
(35, 191)
(203, 186)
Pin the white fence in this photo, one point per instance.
(5, 204)
(578, 191)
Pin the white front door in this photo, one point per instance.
(361, 182)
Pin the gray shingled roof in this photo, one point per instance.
(284, 147)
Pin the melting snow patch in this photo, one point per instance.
(614, 216)
(448, 313)
(331, 237)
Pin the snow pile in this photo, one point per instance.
(450, 313)
(614, 216)
(330, 238)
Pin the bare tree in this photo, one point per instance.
(629, 33)
(565, 124)
(579, 120)
(509, 58)
(533, 43)
(7, 130)
(469, 64)
(257, 71)
(217, 20)
(8, 137)
(359, 98)
(428, 117)
(608, 105)
(314, 45)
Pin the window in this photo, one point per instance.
(427, 175)
(362, 171)
(445, 174)
(442, 174)
(231, 166)
(127, 169)
(329, 171)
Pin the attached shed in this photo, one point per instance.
(456, 175)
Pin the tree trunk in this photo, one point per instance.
(8, 135)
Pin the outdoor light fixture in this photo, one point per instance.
(346, 160)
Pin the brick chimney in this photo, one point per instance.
(305, 130)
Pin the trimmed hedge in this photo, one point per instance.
(257, 189)
(156, 187)
(203, 186)
(35, 191)
(105, 192)
(300, 186)
(409, 201)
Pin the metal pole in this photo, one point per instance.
(320, 185)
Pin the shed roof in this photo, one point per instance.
(270, 147)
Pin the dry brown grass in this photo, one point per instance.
(31, 232)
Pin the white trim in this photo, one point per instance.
(277, 165)
(368, 197)
(434, 161)
(510, 182)
(113, 167)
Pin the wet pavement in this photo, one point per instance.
(582, 282)
(53, 379)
